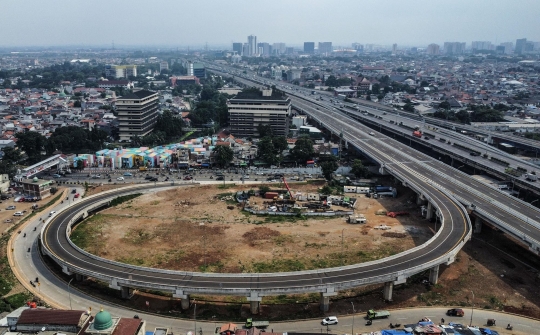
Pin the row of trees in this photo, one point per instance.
(474, 113)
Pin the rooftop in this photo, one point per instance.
(138, 94)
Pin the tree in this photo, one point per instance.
(328, 167)
(9, 161)
(358, 169)
(267, 151)
(303, 149)
(445, 105)
(223, 155)
(408, 107)
(264, 130)
(32, 143)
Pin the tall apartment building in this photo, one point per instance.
(249, 109)
(508, 47)
(520, 45)
(279, 48)
(394, 48)
(238, 48)
(264, 49)
(120, 71)
(252, 45)
(325, 47)
(309, 48)
(481, 45)
(433, 49)
(454, 48)
(137, 113)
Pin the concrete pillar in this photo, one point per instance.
(419, 200)
(66, 270)
(434, 275)
(429, 212)
(79, 277)
(185, 302)
(125, 292)
(254, 302)
(388, 288)
(325, 302)
(477, 225)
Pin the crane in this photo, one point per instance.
(288, 188)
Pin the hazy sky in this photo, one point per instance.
(178, 23)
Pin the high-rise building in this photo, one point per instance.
(238, 48)
(358, 47)
(247, 110)
(481, 45)
(309, 48)
(325, 48)
(508, 47)
(394, 48)
(120, 71)
(252, 45)
(264, 49)
(163, 66)
(279, 48)
(137, 113)
(432, 49)
(520, 45)
(454, 48)
(196, 69)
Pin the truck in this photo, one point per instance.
(257, 324)
(417, 133)
(531, 177)
(373, 314)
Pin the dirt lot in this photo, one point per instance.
(190, 228)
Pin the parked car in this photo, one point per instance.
(73, 191)
(120, 178)
(52, 213)
(153, 179)
(76, 195)
(188, 178)
(220, 178)
(10, 207)
(56, 175)
(148, 177)
(331, 320)
(128, 174)
(246, 176)
(455, 312)
(18, 214)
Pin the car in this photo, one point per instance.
(148, 177)
(246, 176)
(10, 207)
(128, 174)
(331, 320)
(259, 173)
(475, 153)
(120, 178)
(372, 133)
(426, 138)
(73, 191)
(153, 179)
(52, 213)
(18, 214)
(76, 195)
(56, 175)
(188, 178)
(455, 312)
(220, 178)
(97, 176)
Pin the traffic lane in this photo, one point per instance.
(121, 270)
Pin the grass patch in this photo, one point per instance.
(19, 299)
(88, 234)
(124, 198)
(279, 265)
(226, 186)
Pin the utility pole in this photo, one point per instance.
(472, 308)
(353, 311)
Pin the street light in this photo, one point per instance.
(353, 311)
(69, 294)
(472, 308)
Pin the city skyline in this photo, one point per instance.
(415, 23)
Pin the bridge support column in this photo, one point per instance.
(429, 212)
(434, 275)
(79, 277)
(184, 298)
(477, 225)
(126, 292)
(388, 289)
(254, 302)
(325, 298)
(419, 200)
(66, 270)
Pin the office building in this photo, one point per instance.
(394, 49)
(309, 48)
(500, 50)
(120, 71)
(279, 48)
(196, 69)
(252, 45)
(137, 113)
(238, 48)
(358, 47)
(163, 66)
(432, 49)
(520, 46)
(508, 47)
(247, 110)
(325, 48)
(264, 49)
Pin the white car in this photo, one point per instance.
(120, 178)
(331, 320)
(246, 176)
(18, 214)
(52, 213)
(259, 173)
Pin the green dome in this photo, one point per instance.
(103, 320)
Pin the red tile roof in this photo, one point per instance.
(127, 326)
(50, 316)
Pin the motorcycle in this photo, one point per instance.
(509, 327)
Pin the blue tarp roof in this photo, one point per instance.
(394, 332)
